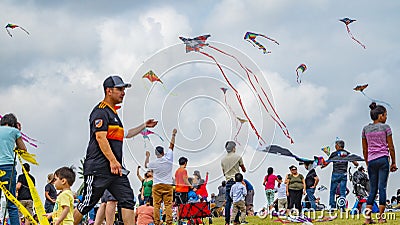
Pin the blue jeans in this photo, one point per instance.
(228, 203)
(378, 172)
(311, 197)
(12, 209)
(337, 178)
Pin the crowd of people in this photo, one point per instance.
(106, 180)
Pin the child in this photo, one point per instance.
(377, 144)
(64, 207)
(144, 214)
(280, 188)
(238, 194)
(182, 182)
(269, 183)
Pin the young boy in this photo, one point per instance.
(64, 207)
(238, 194)
(280, 188)
(182, 182)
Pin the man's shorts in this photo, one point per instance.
(249, 197)
(95, 185)
(107, 196)
(28, 204)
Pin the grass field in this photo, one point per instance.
(392, 219)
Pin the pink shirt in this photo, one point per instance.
(376, 135)
(270, 184)
(144, 215)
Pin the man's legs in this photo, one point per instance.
(100, 215)
(168, 196)
(228, 201)
(128, 216)
(343, 183)
(311, 197)
(332, 192)
(12, 209)
(157, 199)
(110, 212)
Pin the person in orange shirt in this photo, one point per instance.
(182, 182)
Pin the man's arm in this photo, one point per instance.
(316, 181)
(172, 143)
(242, 165)
(146, 161)
(135, 131)
(355, 163)
(138, 174)
(101, 137)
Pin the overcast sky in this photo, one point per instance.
(52, 78)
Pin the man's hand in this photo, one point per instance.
(206, 173)
(147, 154)
(151, 123)
(174, 131)
(116, 167)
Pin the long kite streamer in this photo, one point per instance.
(251, 38)
(146, 132)
(37, 203)
(14, 200)
(348, 21)
(224, 90)
(361, 89)
(26, 138)
(241, 121)
(197, 43)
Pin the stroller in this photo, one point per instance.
(194, 212)
(360, 182)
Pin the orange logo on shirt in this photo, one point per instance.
(98, 123)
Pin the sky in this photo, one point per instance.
(52, 78)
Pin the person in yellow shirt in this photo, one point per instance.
(64, 208)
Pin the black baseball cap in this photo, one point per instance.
(115, 81)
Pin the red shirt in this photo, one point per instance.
(202, 190)
(180, 175)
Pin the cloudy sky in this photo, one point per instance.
(52, 78)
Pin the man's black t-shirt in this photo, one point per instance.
(52, 193)
(103, 118)
(23, 192)
(310, 181)
(340, 167)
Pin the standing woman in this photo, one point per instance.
(295, 188)
(377, 145)
(269, 183)
(147, 185)
(9, 137)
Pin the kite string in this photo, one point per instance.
(237, 95)
(280, 123)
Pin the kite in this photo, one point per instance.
(27, 139)
(361, 89)
(322, 188)
(146, 132)
(326, 150)
(13, 26)
(301, 68)
(196, 44)
(251, 38)
(152, 77)
(341, 156)
(242, 121)
(348, 21)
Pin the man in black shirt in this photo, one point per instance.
(23, 193)
(102, 167)
(311, 183)
(339, 176)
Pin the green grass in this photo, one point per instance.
(394, 220)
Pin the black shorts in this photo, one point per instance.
(181, 198)
(95, 185)
(107, 196)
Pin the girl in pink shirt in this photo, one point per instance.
(269, 183)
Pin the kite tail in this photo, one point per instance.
(262, 35)
(251, 42)
(298, 77)
(237, 133)
(9, 33)
(377, 100)
(277, 120)
(231, 110)
(237, 95)
(37, 203)
(352, 37)
(24, 30)
(260, 46)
